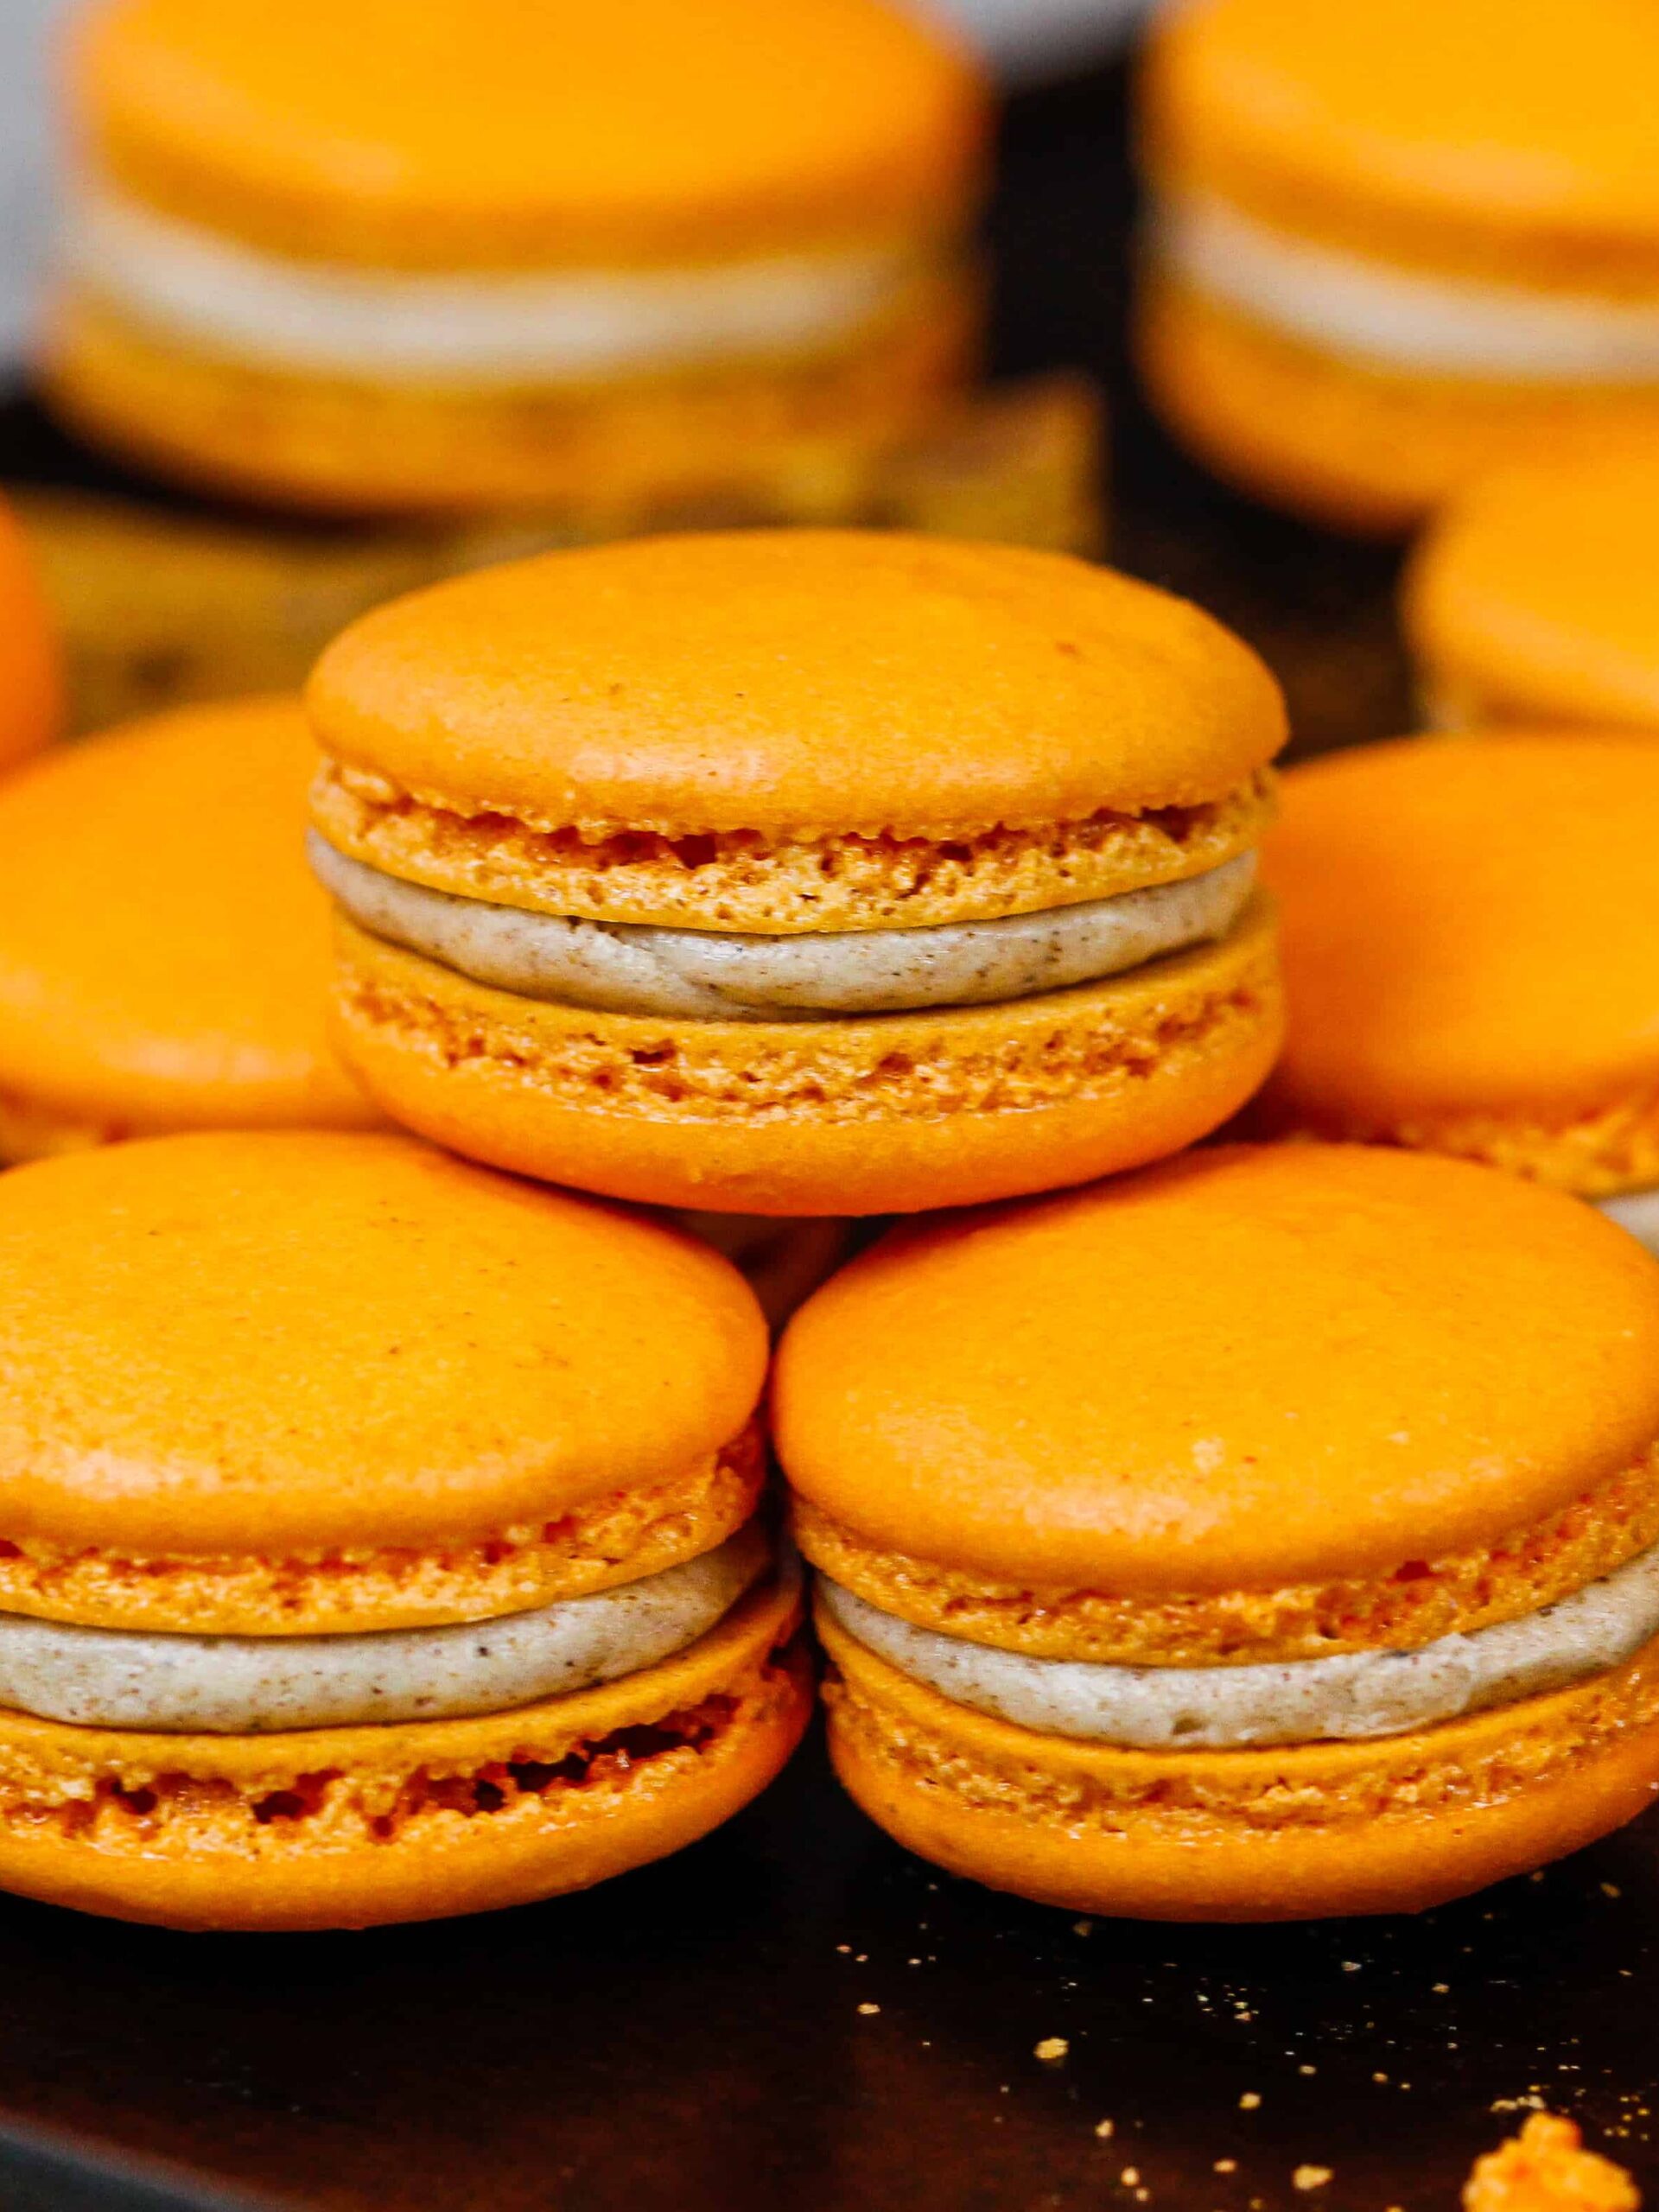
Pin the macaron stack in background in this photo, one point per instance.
(380, 1537)
(1274, 1534)
(799, 873)
(1394, 240)
(1533, 596)
(476, 254)
(1472, 957)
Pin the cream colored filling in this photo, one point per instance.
(541, 326)
(1391, 317)
(231, 1685)
(1354, 1694)
(1636, 1210)
(622, 968)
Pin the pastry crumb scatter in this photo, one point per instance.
(1547, 2169)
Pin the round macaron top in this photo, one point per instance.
(478, 133)
(1499, 132)
(1248, 1368)
(282, 1343)
(798, 681)
(1536, 588)
(165, 954)
(31, 686)
(1470, 924)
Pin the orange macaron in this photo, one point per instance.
(164, 953)
(1533, 594)
(482, 254)
(31, 677)
(379, 1537)
(799, 872)
(1471, 955)
(1269, 1536)
(1394, 240)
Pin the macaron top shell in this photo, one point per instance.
(1444, 131)
(795, 683)
(1540, 584)
(31, 688)
(1470, 924)
(1244, 1369)
(164, 953)
(226, 1344)
(478, 133)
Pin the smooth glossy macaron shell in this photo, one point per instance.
(454, 1395)
(1534, 597)
(1162, 1386)
(784, 688)
(164, 954)
(528, 137)
(1471, 935)
(1470, 137)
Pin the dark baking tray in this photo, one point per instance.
(795, 2014)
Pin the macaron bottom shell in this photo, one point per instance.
(356, 1827)
(893, 1113)
(341, 446)
(1364, 449)
(1309, 1832)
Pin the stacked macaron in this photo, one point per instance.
(1533, 594)
(1396, 239)
(1272, 1535)
(379, 1536)
(164, 953)
(811, 873)
(476, 254)
(1471, 955)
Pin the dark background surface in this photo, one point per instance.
(795, 2013)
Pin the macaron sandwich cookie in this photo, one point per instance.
(799, 872)
(484, 254)
(1269, 1536)
(1533, 594)
(1472, 957)
(379, 1536)
(1395, 240)
(165, 957)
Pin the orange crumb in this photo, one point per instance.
(1546, 2169)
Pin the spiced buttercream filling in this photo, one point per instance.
(1353, 1696)
(122, 1678)
(622, 968)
